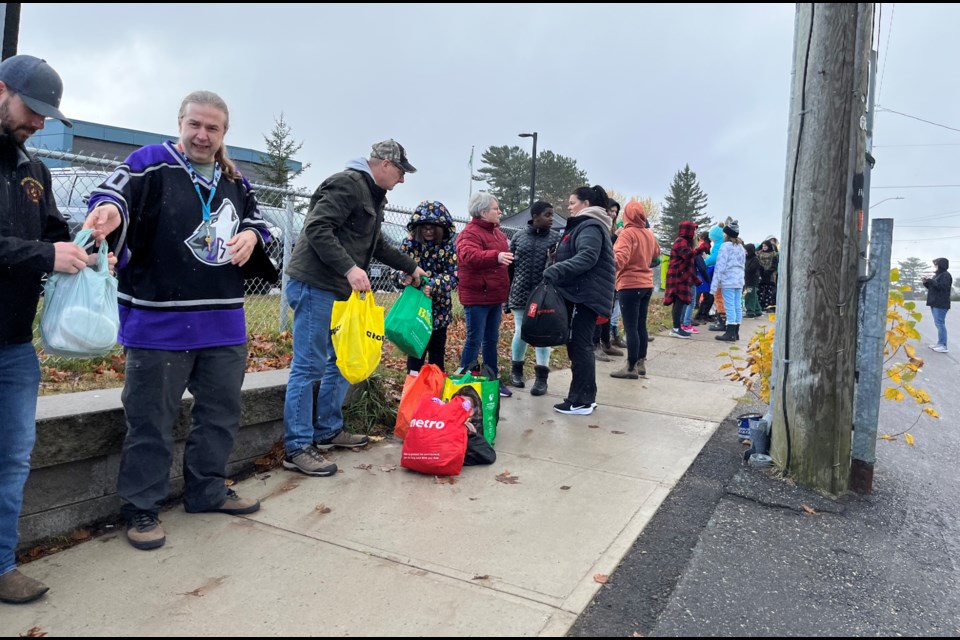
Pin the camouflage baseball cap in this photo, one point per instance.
(393, 151)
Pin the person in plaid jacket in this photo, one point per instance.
(681, 276)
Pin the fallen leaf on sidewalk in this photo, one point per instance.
(228, 482)
(506, 478)
(618, 432)
(564, 488)
(483, 577)
(808, 510)
(887, 437)
(36, 552)
(322, 508)
(364, 467)
(80, 535)
(601, 578)
(34, 632)
(636, 634)
(376, 438)
(212, 584)
(387, 468)
(909, 439)
(593, 426)
(444, 480)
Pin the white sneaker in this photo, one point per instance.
(941, 349)
(934, 346)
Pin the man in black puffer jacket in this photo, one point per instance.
(530, 248)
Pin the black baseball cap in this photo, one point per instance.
(37, 83)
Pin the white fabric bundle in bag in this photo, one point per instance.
(80, 317)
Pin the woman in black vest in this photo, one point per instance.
(584, 275)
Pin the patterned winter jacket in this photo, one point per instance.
(437, 258)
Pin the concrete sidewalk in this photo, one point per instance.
(376, 551)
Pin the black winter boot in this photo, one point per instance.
(516, 374)
(721, 323)
(540, 384)
(730, 335)
(736, 332)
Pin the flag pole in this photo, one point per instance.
(470, 165)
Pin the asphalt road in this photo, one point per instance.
(738, 551)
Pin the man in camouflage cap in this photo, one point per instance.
(341, 236)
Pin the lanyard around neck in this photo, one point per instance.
(195, 178)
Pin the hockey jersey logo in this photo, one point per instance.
(224, 223)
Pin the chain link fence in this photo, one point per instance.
(266, 306)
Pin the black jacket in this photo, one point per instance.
(342, 230)
(585, 271)
(29, 225)
(529, 248)
(938, 290)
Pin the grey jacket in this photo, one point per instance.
(342, 230)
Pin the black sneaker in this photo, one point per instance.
(574, 409)
(505, 391)
(144, 531)
(679, 333)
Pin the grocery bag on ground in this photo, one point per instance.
(356, 330)
(485, 396)
(409, 323)
(545, 322)
(437, 439)
(428, 383)
(80, 317)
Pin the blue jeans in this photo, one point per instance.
(518, 348)
(939, 320)
(313, 361)
(733, 301)
(19, 381)
(483, 330)
(687, 318)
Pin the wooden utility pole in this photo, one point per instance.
(816, 328)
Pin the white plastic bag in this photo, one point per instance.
(80, 317)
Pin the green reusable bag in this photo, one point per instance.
(409, 323)
(485, 397)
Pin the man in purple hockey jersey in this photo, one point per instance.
(186, 227)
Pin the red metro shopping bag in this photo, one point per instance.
(429, 383)
(437, 440)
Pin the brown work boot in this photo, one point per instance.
(16, 588)
(641, 367)
(310, 461)
(599, 354)
(610, 350)
(344, 440)
(626, 372)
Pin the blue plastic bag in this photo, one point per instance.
(80, 318)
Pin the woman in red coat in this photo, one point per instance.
(483, 255)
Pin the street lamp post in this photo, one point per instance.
(533, 165)
(877, 204)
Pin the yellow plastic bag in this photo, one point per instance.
(356, 329)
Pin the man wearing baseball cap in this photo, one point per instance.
(341, 236)
(35, 240)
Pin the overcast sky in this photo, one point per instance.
(632, 92)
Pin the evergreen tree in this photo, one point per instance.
(507, 172)
(276, 170)
(684, 202)
(557, 177)
(911, 274)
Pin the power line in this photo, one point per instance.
(931, 144)
(886, 51)
(907, 115)
(917, 186)
(927, 239)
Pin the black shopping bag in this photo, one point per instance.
(545, 322)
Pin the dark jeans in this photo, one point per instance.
(483, 330)
(436, 351)
(678, 308)
(634, 304)
(602, 334)
(155, 381)
(583, 386)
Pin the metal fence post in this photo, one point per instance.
(287, 250)
(870, 341)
